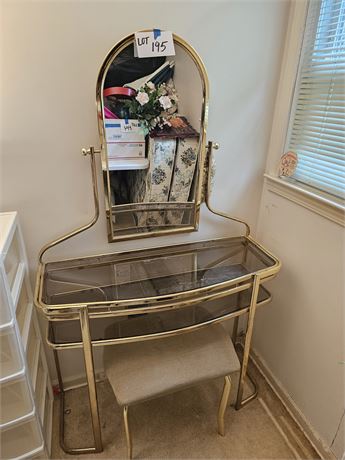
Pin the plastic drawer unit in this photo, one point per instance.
(25, 388)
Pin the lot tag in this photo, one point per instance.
(129, 126)
(154, 43)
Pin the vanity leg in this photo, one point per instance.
(68, 450)
(62, 395)
(235, 330)
(236, 319)
(90, 376)
(247, 343)
(62, 401)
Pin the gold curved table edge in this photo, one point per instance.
(157, 335)
(170, 298)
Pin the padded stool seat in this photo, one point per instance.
(143, 370)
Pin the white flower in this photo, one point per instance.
(142, 98)
(165, 102)
(150, 85)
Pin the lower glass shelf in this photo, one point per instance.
(120, 327)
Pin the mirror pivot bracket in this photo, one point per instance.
(90, 151)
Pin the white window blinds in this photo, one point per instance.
(316, 131)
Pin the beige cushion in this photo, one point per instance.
(143, 370)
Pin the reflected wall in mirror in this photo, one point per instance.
(152, 115)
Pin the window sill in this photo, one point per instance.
(307, 198)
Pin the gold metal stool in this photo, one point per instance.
(145, 370)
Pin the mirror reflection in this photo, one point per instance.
(152, 129)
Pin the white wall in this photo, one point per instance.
(300, 335)
(51, 53)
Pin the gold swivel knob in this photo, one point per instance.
(90, 151)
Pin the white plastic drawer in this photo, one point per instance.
(42, 455)
(5, 312)
(46, 407)
(40, 391)
(12, 260)
(47, 423)
(10, 358)
(15, 400)
(23, 311)
(20, 439)
(32, 352)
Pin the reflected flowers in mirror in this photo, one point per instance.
(154, 105)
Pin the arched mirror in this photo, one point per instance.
(152, 114)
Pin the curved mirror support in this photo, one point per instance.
(152, 117)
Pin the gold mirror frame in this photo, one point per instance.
(113, 53)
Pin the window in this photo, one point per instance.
(316, 132)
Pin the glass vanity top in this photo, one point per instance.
(152, 273)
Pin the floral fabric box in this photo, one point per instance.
(153, 185)
(162, 155)
(184, 170)
(186, 158)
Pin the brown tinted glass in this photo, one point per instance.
(151, 273)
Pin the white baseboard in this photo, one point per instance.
(315, 439)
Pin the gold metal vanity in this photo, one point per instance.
(151, 293)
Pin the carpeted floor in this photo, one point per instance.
(184, 426)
